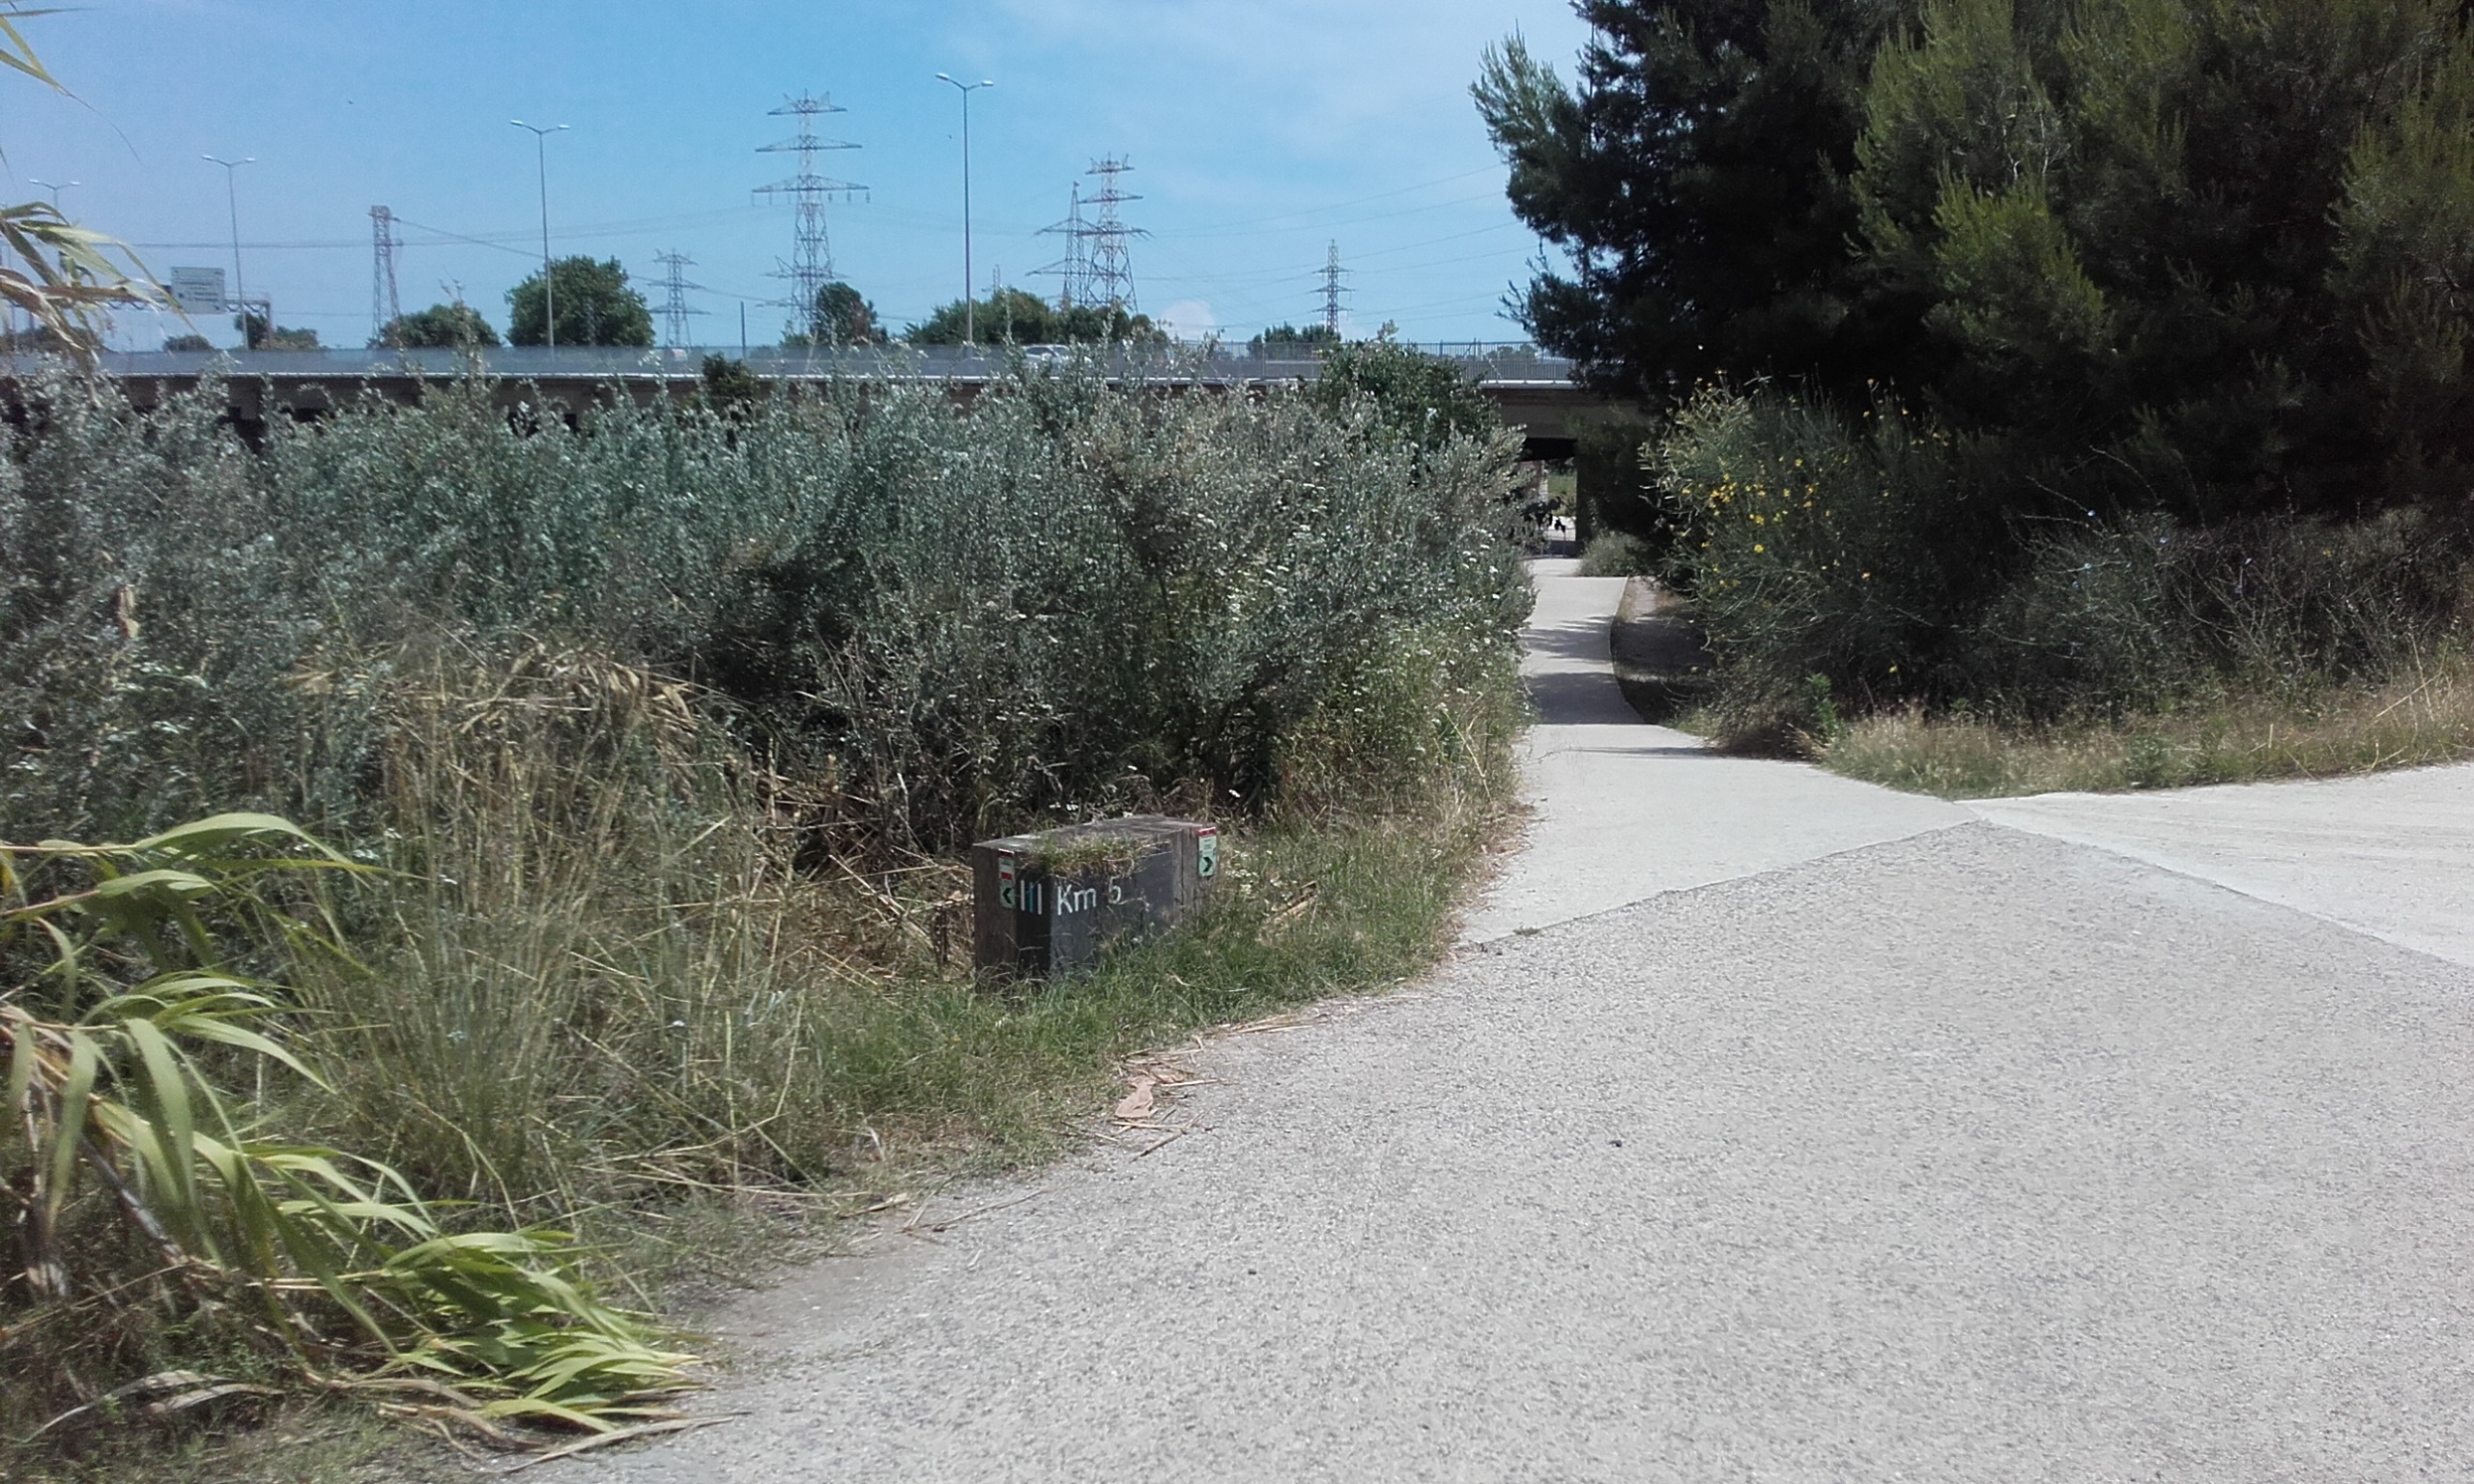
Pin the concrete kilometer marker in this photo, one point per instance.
(1052, 902)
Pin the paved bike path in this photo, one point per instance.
(1619, 811)
(2391, 854)
(1962, 1153)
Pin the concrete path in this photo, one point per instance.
(1900, 1149)
(1620, 811)
(2391, 855)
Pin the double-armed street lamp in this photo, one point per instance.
(541, 133)
(231, 204)
(970, 326)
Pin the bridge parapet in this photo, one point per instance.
(1512, 365)
(1538, 395)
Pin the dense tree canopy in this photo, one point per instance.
(258, 335)
(1417, 398)
(1290, 340)
(1016, 317)
(843, 317)
(594, 305)
(2218, 249)
(2204, 257)
(439, 325)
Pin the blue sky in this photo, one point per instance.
(1259, 131)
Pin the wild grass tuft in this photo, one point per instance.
(581, 1002)
(129, 1035)
(2423, 719)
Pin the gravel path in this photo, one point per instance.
(1875, 1141)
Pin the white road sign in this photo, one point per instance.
(198, 290)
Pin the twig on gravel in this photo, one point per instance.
(911, 1227)
(1174, 1137)
(1286, 1020)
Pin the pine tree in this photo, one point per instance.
(1697, 180)
(2179, 253)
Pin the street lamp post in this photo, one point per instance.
(970, 326)
(55, 191)
(232, 203)
(541, 162)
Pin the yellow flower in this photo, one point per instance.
(1756, 546)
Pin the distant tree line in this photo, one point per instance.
(1289, 341)
(1018, 317)
(439, 325)
(597, 306)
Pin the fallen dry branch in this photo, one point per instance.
(911, 1227)
(605, 1440)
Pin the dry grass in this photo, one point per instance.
(616, 970)
(2426, 718)
(611, 982)
(311, 1442)
(520, 1059)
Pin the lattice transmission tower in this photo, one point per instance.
(384, 307)
(1333, 288)
(1110, 268)
(810, 265)
(1073, 269)
(675, 309)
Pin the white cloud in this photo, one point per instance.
(1189, 318)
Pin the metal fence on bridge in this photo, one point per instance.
(1508, 363)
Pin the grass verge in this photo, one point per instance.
(311, 1441)
(912, 1081)
(2426, 719)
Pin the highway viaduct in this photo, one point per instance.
(1539, 397)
